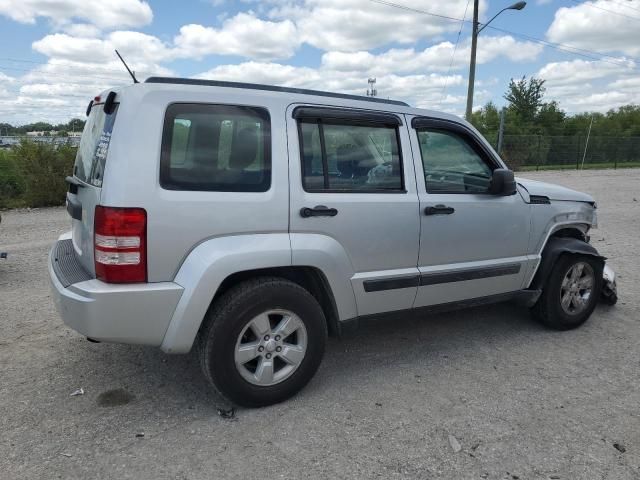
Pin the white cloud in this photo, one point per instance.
(587, 26)
(82, 30)
(244, 35)
(424, 90)
(434, 58)
(352, 25)
(581, 85)
(578, 72)
(104, 14)
(136, 47)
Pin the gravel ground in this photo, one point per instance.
(484, 393)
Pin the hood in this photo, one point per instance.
(553, 192)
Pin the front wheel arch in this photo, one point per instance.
(556, 247)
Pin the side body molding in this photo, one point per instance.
(206, 267)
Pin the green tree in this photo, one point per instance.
(487, 119)
(551, 118)
(525, 97)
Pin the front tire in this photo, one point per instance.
(262, 341)
(571, 293)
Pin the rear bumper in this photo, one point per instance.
(126, 313)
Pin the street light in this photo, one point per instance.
(474, 44)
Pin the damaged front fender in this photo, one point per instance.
(561, 245)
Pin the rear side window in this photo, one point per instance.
(350, 157)
(94, 145)
(221, 148)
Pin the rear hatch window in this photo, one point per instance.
(94, 145)
(89, 168)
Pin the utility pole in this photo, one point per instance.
(474, 45)
(472, 65)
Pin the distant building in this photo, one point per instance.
(51, 133)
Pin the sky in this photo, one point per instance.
(55, 55)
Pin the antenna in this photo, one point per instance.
(372, 91)
(135, 80)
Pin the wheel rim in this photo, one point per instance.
(271, 347)
(576, 288)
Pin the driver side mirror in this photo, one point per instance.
(502, 183)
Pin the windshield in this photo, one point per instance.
(94, 145)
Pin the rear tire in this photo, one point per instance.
(238, 350)
(571, 293)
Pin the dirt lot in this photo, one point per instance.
(523, 402)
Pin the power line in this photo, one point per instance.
(601, 57)
(557, 46)
(589, 4)
(39, 62)
(87, 77)
(625, 4)
(455, 48)
(415, 10)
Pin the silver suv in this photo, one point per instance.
(250, 221)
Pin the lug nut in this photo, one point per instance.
(277, 338)
(260, 349)
(266, 337)
(268, 355)
(278, 349)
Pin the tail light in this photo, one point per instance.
(120, 241)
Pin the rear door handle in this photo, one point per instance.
(318, 211)
(439, 210)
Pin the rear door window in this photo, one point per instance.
(216, 148)
(94, 146)
(350, 158)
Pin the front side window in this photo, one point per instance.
(350, 158)
(216, 148)
(451, 164)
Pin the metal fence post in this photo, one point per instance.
(501, 131)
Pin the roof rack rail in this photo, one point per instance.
(270, 88)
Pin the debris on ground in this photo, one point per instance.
(378, 404)
(455, 444)
(229, 414)
(77, 392)
(621, 448)
(68, 455)
(140, 435)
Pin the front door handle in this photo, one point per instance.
(318, 211)
(439, 210)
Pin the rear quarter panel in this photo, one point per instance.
(178, 221)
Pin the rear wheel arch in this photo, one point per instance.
(311, 279)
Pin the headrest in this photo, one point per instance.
(244, 149)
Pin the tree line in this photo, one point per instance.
(527, 113)
(73, 125)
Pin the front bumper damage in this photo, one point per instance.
(609, 288)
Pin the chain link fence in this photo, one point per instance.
(535, 152)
